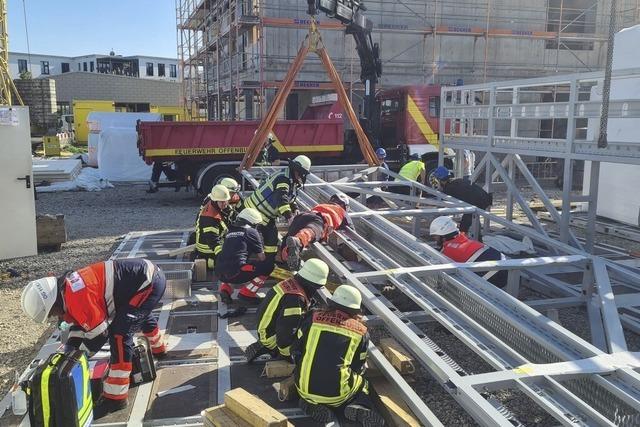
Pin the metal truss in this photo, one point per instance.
(502, 330)
(503, 120)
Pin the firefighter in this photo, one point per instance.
(463, 190)
(233, 266)
(455, 244)
(236, 204)
(330, 354)
(211, 225)
(281, 311)
(110, 300)
(412, 170)
(273, 199)
(314, 226)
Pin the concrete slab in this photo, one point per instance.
(202, 377)
(246, 322)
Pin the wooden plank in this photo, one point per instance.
(399, 358)
(391, 405)
(221, 416)
(278, 369)
(253, 410)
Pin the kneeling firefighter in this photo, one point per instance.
(273, 199)
(330, 354)
(110, 300)
(233, 264)
(281, 311)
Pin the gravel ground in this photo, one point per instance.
(94, 222)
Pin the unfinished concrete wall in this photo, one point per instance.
(107, 87)
(40, 96)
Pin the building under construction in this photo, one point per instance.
(234, 53)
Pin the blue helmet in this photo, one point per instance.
(381, 153)
(441, 173)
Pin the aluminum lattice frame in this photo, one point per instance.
(503, 331)
(471, 117)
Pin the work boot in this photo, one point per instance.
(106, 406)
(294, 247)
(365, 416)
(225, 293)
(153, 187)
(318, 413)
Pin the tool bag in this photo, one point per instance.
(143, 369)
(60, 392)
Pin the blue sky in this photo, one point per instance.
(80, 27)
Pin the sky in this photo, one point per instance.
(81, 27)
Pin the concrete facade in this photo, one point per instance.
(52, 65)
(121, 89)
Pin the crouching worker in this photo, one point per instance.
(280, 313)
(110, 300)
(233, 264)
(460, 248)
(330, 354)
(314, 226)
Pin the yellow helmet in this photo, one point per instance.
(231, 184)
(315, 271)
(219, 193)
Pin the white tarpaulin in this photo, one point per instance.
(97, 121)
(89, 179)
(615, 201)
(118, 156)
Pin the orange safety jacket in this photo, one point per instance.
(463, 249)
(92, 294)
(333, 216)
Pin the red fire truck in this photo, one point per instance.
(205, 152)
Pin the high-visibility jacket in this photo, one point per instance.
(330, 355)
(463, 249)
(210, 230)
(412, 170)
(333, 216)
(93, 294)
(272, 199)
(280, 314)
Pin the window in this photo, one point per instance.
(571, 16)
(434, 106)
(149, 68)
(22, 66)
(160, 70)
(390, 106)
(92, 66)
(79, 67)
(44, 67)
(84, 66)
(173, 72)
(65, 67)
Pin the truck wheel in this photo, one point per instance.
(214, 175)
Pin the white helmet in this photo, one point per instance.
(251, 215)
(315, 271)
(303, 162)
(348, 297)
(442, 226)
(38, 297)
(231, 184)
(219, 193)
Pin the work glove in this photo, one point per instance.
(254, 351)
(210, 263)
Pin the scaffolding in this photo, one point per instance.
(234, 53)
